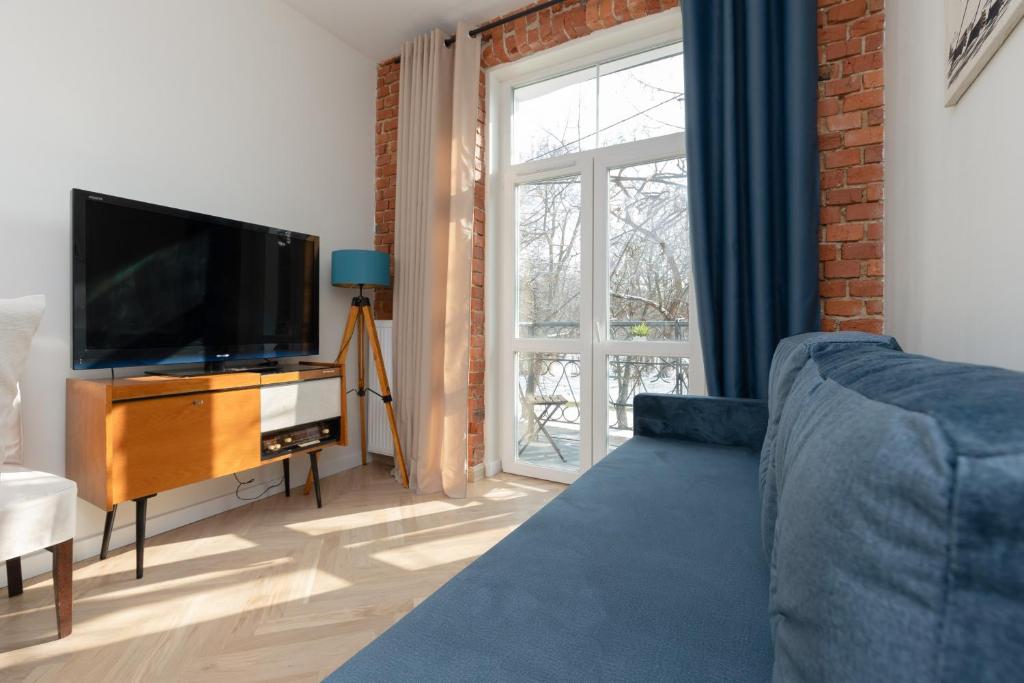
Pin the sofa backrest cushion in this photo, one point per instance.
(791, 356)
(898, 543)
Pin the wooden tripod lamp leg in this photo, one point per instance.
(361, 390)
(385, 390)
(346, 339)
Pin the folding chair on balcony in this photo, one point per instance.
(549, 405)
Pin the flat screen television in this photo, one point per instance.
(153, 285)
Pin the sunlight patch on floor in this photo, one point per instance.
(369, 518)
(429, 554)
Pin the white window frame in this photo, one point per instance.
(634, 37)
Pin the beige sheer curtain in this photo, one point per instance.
(437, 114)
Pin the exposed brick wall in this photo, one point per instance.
(850, 126)
(851, 115)
(386, 141)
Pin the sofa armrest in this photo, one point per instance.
(723, 421)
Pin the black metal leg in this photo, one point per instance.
(316, 477)
(287, 478)
(108, 529)
(14, 577)
(140, 533)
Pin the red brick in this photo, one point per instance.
(844, 196)
(840, 269)
(861, 63)
(873, 79)
(864, 212)
(844, 121)
(844, 232)
(865, 173)
(843, 48)
(863, 136)
(842, 157)
(830, 214)
(851, 9)
(833, 178)
(844, 307)
(863, 100)
(827, 141)
(862, 250)
(866, 288)
(872, 325)
(869, 24)
(841, 86)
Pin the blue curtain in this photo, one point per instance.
(751, 142)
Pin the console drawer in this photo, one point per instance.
(161, 443)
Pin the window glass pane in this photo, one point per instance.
(632, 375)
(648, 252)
(549, 222)
(641, 100)
(548, 410)
(629, 99)
(555, 117)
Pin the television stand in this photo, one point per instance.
(131, 438)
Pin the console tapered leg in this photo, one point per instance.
(140, 534)
(287, 477)
(108, 529)
(316, 476)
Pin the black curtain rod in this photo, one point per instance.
(448, 42)
(507, 20)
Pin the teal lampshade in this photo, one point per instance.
(360, 268)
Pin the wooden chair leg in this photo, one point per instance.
(14, 586)
(62, 559)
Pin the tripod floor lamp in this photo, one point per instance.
(364, 268)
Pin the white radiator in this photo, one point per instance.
(378, 431)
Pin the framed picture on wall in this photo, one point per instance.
(974, 31)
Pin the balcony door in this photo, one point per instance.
(592, 263)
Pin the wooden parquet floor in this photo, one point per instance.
(273, 591)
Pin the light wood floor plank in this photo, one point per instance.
(274, 591)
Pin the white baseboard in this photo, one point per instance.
(492, 467)
(476, 472)
(89, 546)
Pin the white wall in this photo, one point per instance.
(237, 108)
(954, 186)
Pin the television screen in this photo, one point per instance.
(154, 285)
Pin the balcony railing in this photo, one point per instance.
(556, 374)
(621, 330)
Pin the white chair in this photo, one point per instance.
(37, 511)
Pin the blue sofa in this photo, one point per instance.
(866, 523)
